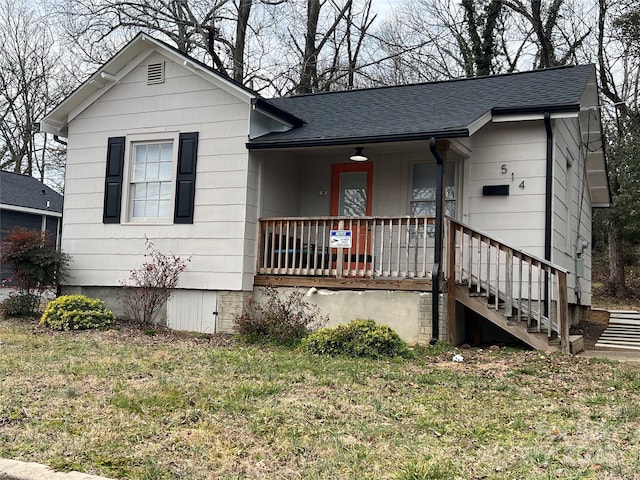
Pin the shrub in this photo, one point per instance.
(150, 286)
(35, 262)
(281, 319)
(76, 312)
(20, 305)
(359, 338)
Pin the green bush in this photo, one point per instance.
(20, 305)
(281, 319)
(76, 312)
(360, 338)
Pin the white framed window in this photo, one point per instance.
(151, 178)
(150, 182)
(151, 189)
(423, 189)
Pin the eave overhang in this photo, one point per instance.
(329, 142)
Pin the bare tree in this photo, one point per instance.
(215, 31)
(29, 86)
(557, 27)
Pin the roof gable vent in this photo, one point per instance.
(155, 73)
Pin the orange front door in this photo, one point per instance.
(351, 197)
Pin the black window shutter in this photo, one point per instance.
(186, 179)
(113, 180)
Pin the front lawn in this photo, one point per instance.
(126, 403)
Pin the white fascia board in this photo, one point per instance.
(524, 117)
(478, 123)
(216, 79)
(34, 211)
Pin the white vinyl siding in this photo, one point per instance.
(517, 218)
(103, 254)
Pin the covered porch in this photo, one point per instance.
(373, 225)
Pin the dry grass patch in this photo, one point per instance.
(126, 404)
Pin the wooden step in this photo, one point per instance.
(535, 339)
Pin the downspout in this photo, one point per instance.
(548, 204)
(437, 255)
(58, 140)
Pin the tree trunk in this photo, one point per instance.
(244, 9)
(310, 59)
(616, 263)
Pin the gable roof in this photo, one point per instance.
(438, 109)
(25, 191)
(142, 45)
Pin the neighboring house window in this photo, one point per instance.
(423, 191)
(159, 187)
(151, 186)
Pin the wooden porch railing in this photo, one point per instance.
(382, 247)
(526, 287)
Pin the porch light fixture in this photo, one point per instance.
(358, 156)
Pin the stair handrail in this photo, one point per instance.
(561, 273)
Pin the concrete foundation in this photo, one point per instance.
(408, 313)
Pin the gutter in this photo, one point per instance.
(437, 254)
(328, 142)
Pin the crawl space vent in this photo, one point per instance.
(155, 73)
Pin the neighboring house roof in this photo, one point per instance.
(440, 109)
(28, 193)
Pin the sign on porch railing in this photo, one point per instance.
(365, 247)
(340, 239)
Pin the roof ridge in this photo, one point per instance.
(436, 82)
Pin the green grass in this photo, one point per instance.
(123, 404)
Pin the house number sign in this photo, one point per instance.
(504, 170)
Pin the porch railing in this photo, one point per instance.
(527, 288)
(381, 247)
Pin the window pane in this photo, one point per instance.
(353, 194)
(450, 208)
(424, 181)
(450, 193)
(140, 155)
(152, 209)
(165, 190)
(153, 191)
(427, 209)
(152, 171)
(165, 209)
(166, 152)
(140, 191)
(165, 171)
(138, 208)
(139, 170)
(153, 152)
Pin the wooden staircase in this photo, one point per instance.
(523, 295)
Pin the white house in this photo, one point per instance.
(271, 192)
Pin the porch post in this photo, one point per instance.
(437, 254)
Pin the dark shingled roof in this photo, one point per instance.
(440, 109)
(26, 191)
